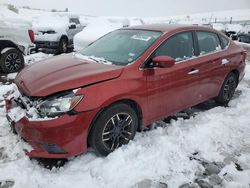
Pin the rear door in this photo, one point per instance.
(211, 62)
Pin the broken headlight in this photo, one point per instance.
(59, 104)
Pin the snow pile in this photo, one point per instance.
(36, 57)
(14, 27)
(10, 19)
(94, 30)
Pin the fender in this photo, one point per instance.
(106, 93)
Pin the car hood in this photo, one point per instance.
(62, 73)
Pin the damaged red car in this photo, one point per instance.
(101, 96)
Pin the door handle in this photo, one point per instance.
(224, 61)
(193, 71)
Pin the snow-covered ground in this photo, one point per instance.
(174, 153)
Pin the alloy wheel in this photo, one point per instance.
(229, 88)
(117, 131)
(13, 62)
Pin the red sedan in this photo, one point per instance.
(101, 96)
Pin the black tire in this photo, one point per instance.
(114, 127)
(63, 45)
(11, 61)
(227, 90)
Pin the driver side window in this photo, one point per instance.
(180, 47)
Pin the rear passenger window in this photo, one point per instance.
(179, 47)
(208, 42)
(224, 41)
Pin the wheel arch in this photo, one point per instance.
(130, 102)
(8, 44)
(237, 73)
(64, 37)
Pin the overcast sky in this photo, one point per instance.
(140, 8)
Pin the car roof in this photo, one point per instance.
(168, 27)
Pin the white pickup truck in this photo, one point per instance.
(55, 34)
(16, 40)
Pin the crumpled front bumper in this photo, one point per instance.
(61, 137)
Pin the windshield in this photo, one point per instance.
(121, 47)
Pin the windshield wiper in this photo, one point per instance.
(97, 61)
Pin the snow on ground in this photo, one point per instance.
(216, 135)
(36, 57)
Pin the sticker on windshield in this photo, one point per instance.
(131, 54)
(139, 37)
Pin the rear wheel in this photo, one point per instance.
(114, 127)
(227, 89)
(11, 61)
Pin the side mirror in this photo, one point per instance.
(163, 61)
(72, 26)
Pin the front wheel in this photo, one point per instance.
(227, 89)
(114, 127)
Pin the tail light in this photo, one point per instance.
(32, 36)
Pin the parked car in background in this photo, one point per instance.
(56, 35)
(244, 34)
(231, 30)
(16, 40)
(120, 84)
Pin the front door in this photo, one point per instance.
(175, 88)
